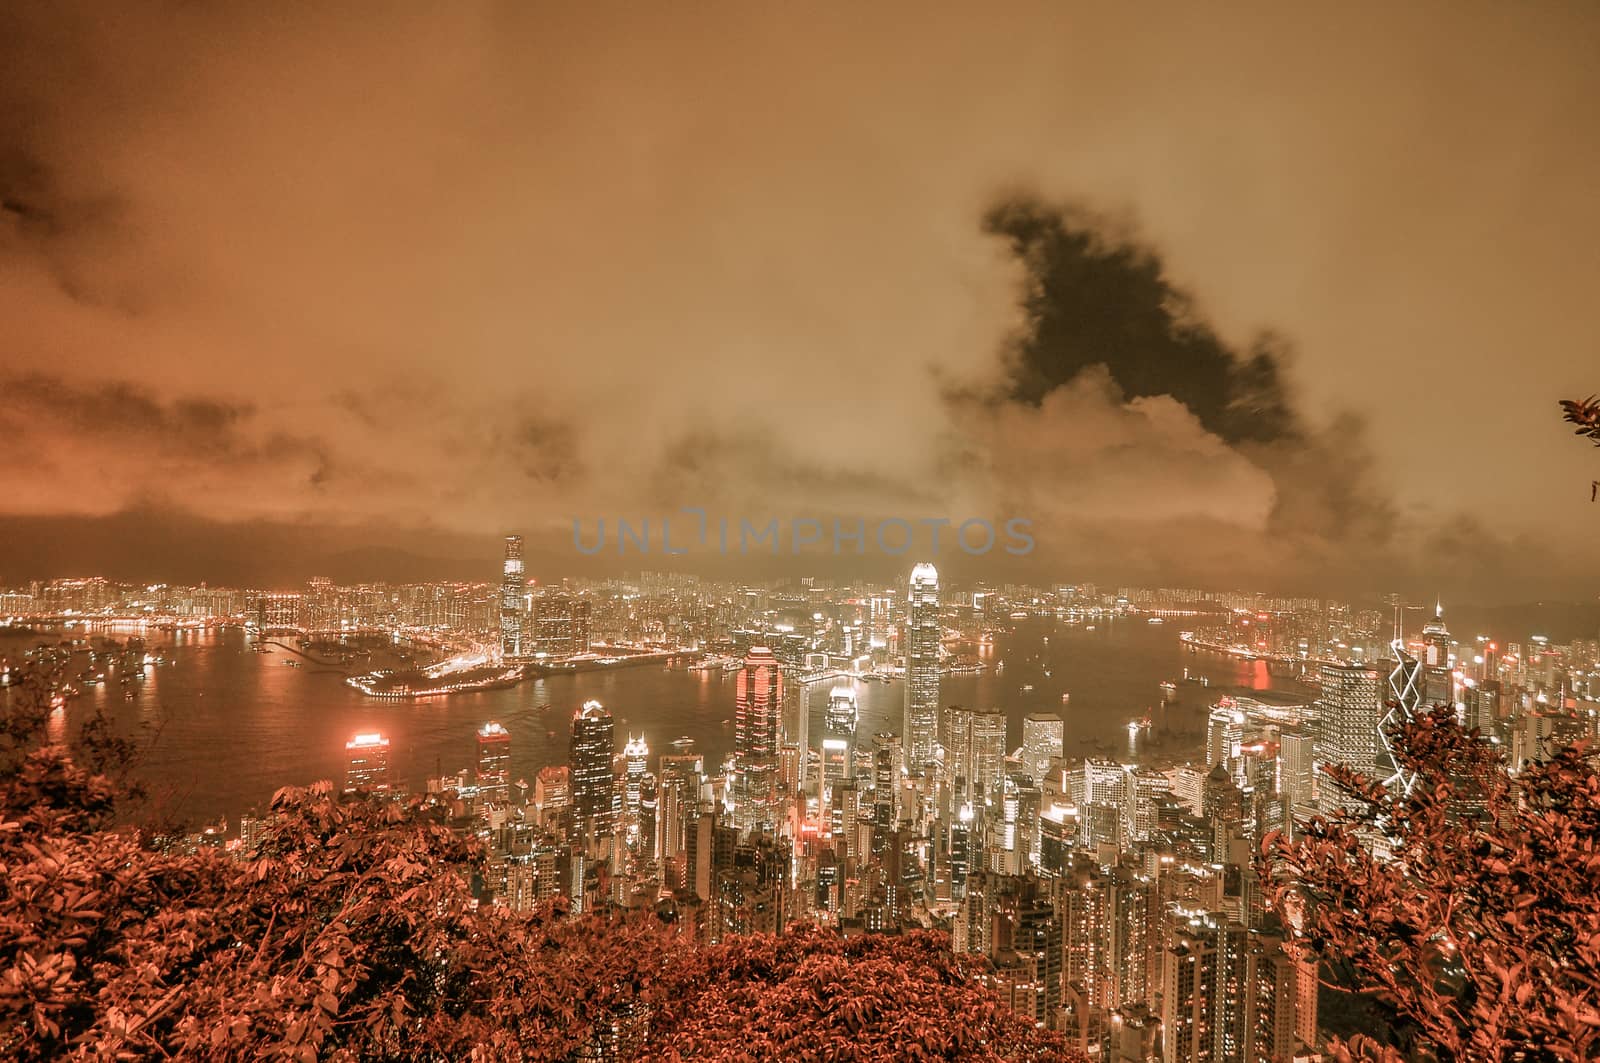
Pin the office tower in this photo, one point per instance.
(552, 791)
(1146, 789)
(758, 708)
(635, 755)
(1482, 700)
(494, 764)
(1296, 768)
(679, 801)
(836, 765)
(975, 754)
(1044, 736)
(367, 764)
(1438, 681)
(560, 625)
(594, 787)
(922, 639)
(1351, 709)
(842, 714)
(1403, 703)
(1224, 735)
(888, 766)
(511, 587)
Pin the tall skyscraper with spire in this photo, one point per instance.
(1438, 682)
(511, 590)
(922, 637)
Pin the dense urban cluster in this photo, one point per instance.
(1116, 899)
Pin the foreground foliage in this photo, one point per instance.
(350, 933)
(1478, 937)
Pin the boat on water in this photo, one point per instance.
(1027, 688)
(1155, 620)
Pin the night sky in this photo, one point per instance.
(1262, 296)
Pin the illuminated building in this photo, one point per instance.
(560, 626)
(888, 765)
(1044, 736)
(494, 764)
(835, 767)
(635, 757)
(278, 612)
(842, 714)
(1206, 991)
(758, 708)
(594, 787)
(1351, 708)
(1404, 701)
(975, 754)
(1224, 734)
(1296, 781)
(367, 764)
(511, 605)
(552, 791)
(1438, 685)
(1146, 788)
(922, 639)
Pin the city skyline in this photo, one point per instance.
(1033, 531)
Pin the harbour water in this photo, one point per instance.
(221, 726)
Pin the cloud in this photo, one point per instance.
(472, 269)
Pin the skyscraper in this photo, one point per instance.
(367, 764)
(636, 756)
(758, 708)
(560, 626)
(922, 638)
(1044, 736)
(594, 787)
(1438, 685)
(1404, 701)
(494, 764)
(1351, 706)
(511, 588)
(1296, 770)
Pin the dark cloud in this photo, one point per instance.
(1094, 295)
(119, 410)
